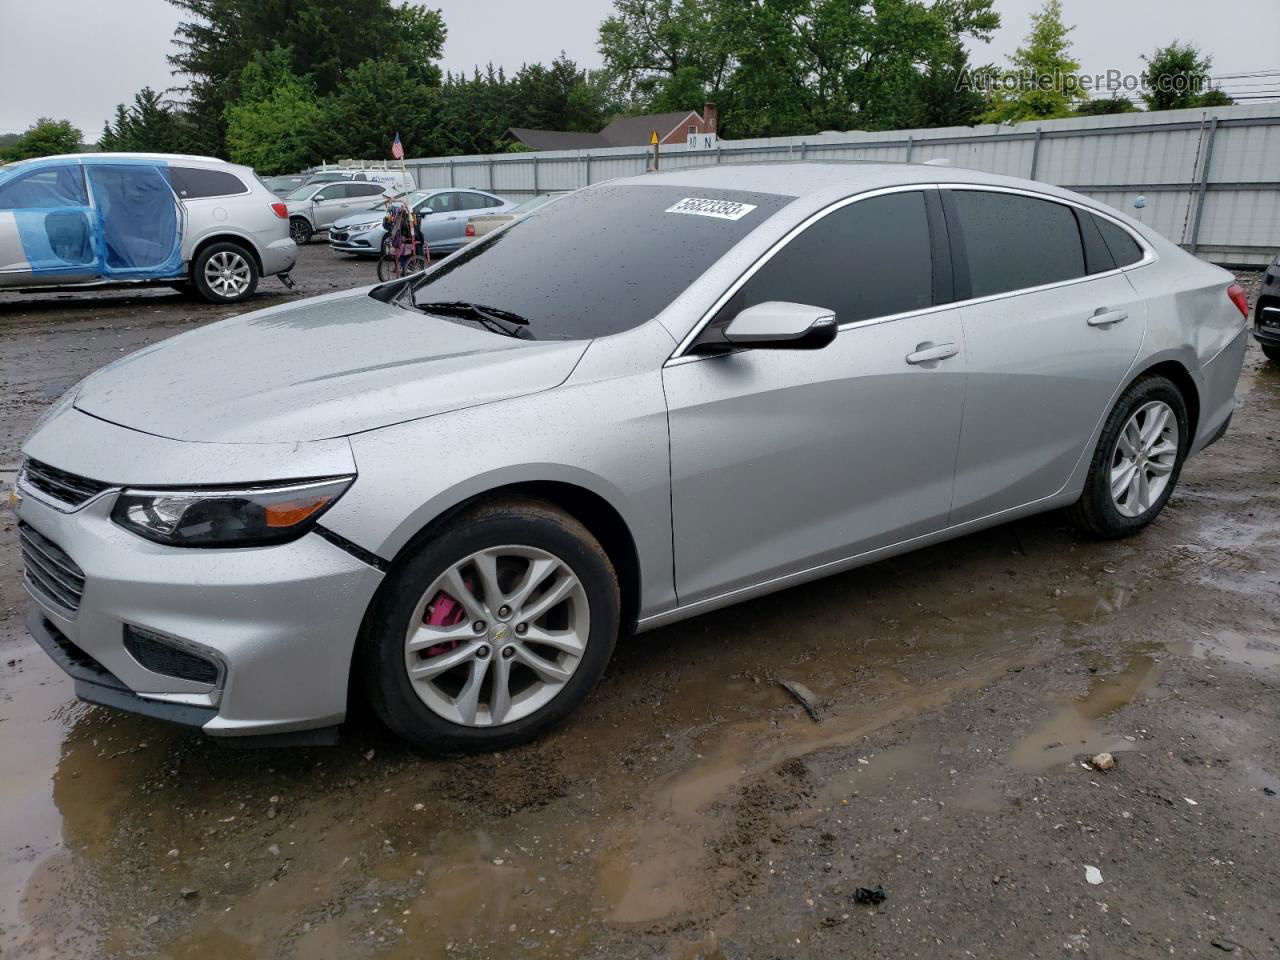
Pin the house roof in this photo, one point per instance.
(557, 139)
(622, 132)
(634, 131)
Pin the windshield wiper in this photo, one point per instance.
(503, 321)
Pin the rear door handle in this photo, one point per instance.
(926, 352)
(1102, 317)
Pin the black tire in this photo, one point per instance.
(1096, 512)
(242, 262)
(1272, 353)
(528, 523)
(300, 231)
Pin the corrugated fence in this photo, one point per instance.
(1207, 179)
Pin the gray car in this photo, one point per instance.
(443, 215)
(101, 220)
(651, 399)
(315, 206)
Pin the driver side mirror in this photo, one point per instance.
(776, 325)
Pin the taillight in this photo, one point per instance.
(280, 210)
(470, 231)
(1236, 294)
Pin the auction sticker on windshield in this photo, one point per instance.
(720, 209)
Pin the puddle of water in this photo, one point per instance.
(1234, 647)
(1076, 728)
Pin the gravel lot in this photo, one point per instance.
(692, 808)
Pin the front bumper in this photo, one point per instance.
(280, 621)
(365, 243)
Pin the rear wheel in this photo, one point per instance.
(299, 230)
(1272, 353)
(1138, 460)
(493, 631)
(225, 273)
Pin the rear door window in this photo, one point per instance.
(1008, 241)
(1123, 247)
(364, 189)
(194, 183)
(471, 201)
(872, 258)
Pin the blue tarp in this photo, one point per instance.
(132, 229)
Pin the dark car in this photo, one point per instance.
(1266, 315)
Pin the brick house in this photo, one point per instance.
(673, 129)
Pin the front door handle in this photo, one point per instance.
(1102, 317)
(928, 352)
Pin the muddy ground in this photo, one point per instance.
(692, 808)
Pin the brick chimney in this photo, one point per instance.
(709, 116)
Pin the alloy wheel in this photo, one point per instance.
(1144, 458)
(227, 273)
(497, 636)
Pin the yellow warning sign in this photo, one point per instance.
(653, 138)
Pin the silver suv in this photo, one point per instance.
(113, 219)
(316, 206)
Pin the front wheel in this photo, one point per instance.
(1138, 460)
(1271, 353)
(225, 273)
(300, 231)
(492, 631)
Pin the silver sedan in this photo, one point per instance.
(649, 400)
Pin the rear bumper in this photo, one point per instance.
(279, 256)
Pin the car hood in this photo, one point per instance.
(328, 367)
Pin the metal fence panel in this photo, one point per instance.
(1208, 177)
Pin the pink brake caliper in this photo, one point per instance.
(443, 611)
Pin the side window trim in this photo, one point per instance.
(681, 353)
(960, 261)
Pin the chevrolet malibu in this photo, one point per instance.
(449, 495)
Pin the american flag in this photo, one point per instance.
(397, 148)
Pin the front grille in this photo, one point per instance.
(340, 235)
(51, 574)
(160, 656)
(67, 488)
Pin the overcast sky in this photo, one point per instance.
(78, 58)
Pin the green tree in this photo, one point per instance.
(276, 126)
(374, 102)
(1043, 82)
(220, 38)
(1214, 97)
(1177, 77)
(1102, 107)
(44, 138)
(149, 125)
(798, 66)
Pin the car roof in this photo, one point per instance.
(819, 178)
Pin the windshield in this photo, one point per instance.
(599, 261)
(303, 193)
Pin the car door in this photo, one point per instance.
(1051, 328)
(783, 461)
(47, 230)
(436, 220)
(329, 204)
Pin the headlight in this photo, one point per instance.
(366, 226)
(246, 517)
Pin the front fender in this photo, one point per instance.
(608, 437)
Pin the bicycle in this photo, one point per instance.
(400, 254)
